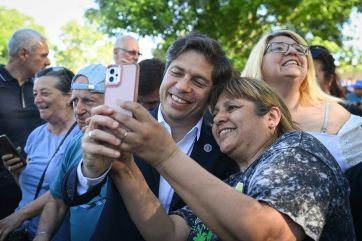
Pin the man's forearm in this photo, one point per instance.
(51, 218)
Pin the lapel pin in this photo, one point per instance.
(207, 148)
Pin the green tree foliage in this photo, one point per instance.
(12, 20)
(236, 24)
(82, 45)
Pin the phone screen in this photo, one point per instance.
(9, 148)
(121, 85)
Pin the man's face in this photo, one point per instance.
(38, 59)
(83, 101)
(185, 89)
(127, 52)
(149, 101)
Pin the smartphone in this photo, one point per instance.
(121, 85)
(9, 148)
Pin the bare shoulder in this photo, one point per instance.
(338, 116)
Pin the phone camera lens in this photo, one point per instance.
(111, 79)
(112, 71)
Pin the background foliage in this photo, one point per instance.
(79, 44)
(236, 24)
(12, 20)
(82, 45)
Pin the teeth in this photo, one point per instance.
(291, 62)
(175, 98)
(224, 131)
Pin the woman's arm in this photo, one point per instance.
(229, 214)
(13, 221)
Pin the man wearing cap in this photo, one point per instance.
(87, 92)
(126, 50)
(195, 63)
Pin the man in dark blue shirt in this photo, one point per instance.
(28, 53)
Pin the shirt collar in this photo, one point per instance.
(6, 76)
(161, 120)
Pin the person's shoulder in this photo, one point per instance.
(4, 74)
(73, 151)
(338, 110)
(76, 141)
(297, 142)
(293, 138)
(40, 130)
(338, 117)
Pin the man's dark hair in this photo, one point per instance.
(206, 46)
(326, 59)
(151, 73)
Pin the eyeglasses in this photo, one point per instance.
(281, 47)
(130, 52)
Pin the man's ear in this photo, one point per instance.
(274, 116)
(22, 53)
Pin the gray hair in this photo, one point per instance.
(121, 39)
(24, 38)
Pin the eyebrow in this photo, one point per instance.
(42, 89)
(193, 74)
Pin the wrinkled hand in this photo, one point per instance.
(13, 163)
(145, 137)
(9, 224)
(100, 146)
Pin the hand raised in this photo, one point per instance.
(99, 145)
(144, 136)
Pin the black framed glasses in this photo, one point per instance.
(130, 52)
(281, 47)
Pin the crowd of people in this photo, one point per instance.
(270, 152)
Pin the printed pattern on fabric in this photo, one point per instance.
(298, 177)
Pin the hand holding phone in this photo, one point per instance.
(9, 148)
(121, 85)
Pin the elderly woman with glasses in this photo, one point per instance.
(283, 60)
(44, 148)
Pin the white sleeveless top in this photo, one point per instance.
(346, 145)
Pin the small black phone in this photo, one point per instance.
(9, 148)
